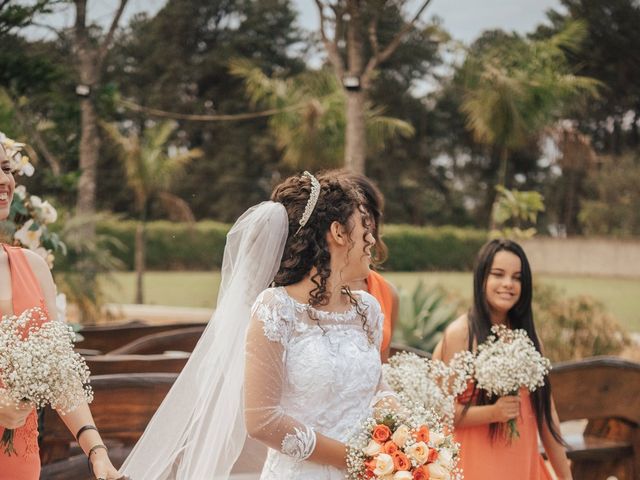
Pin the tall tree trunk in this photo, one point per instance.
(502, 173)
(356, 132)
(89, 151)
(140, 254)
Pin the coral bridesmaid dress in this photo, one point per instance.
(483, 459)
(379, 288)
(26, 293)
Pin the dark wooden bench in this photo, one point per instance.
(606, 392)
(123, 405)
(182, 339)
(110, 364)
(105, 338)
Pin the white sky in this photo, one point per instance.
(464, 19)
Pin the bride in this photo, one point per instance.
(295, 366)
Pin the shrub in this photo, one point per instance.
(199, 246)
(572, 328)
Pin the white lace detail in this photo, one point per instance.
(299, 445)
(273, 314)
(330, 374)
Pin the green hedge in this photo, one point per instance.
(178, 246)
(413, 249)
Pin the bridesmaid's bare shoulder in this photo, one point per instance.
(455, 339)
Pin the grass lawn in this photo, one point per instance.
(200, 289)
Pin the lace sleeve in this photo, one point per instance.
(269, 331)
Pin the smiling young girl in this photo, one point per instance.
(502, 290)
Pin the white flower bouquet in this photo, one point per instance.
(394, 447)
(432, 384)
(508, 361)
(38, 365)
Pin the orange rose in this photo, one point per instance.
(400, 461)
(421, 473)
(433, 455)
(422, 435)
(390, 447)
(381, 433)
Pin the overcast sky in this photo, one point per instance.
(463, 19)
(466, 19)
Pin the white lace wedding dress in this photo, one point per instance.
(309, 371)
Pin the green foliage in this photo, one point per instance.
(512, 210)
(608, 54)
(572, 328)
(515, 87)
(15, 15)
(613, 207)
(171, 246)
(310, 127)
(87, 258)
(200, 245)
(431, 248)
(423, 317)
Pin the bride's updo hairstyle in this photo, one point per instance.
(307, 247)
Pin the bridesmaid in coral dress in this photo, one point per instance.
(376, 284)
(25, 282)
(502, 295)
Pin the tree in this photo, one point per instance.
(355, 66)
(151, 164)
(16, 16)
(516, 87)
(179, 61)
(310, 125)
(90, 56)
(610, 53)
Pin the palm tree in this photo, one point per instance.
(309, 124)
(517, 87)
(151, 165)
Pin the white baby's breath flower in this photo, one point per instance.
(38, 364)
(507, 361)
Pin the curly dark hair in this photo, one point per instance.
(374, 203)
(307, 249)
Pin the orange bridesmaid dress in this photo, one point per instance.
(26, 293)
(483, 459)
(379, 288)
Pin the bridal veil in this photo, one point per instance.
(198, 431)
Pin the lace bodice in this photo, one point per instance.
(308, 371)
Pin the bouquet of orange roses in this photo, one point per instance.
(391, 447)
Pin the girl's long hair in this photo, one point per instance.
(520, 316)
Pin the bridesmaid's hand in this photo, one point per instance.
(506, 408)
(13, 415)
(102, 466)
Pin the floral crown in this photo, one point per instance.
(311, 203)
(20, 163)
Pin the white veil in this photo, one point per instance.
(199, 431)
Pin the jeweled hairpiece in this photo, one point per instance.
(311, 203)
